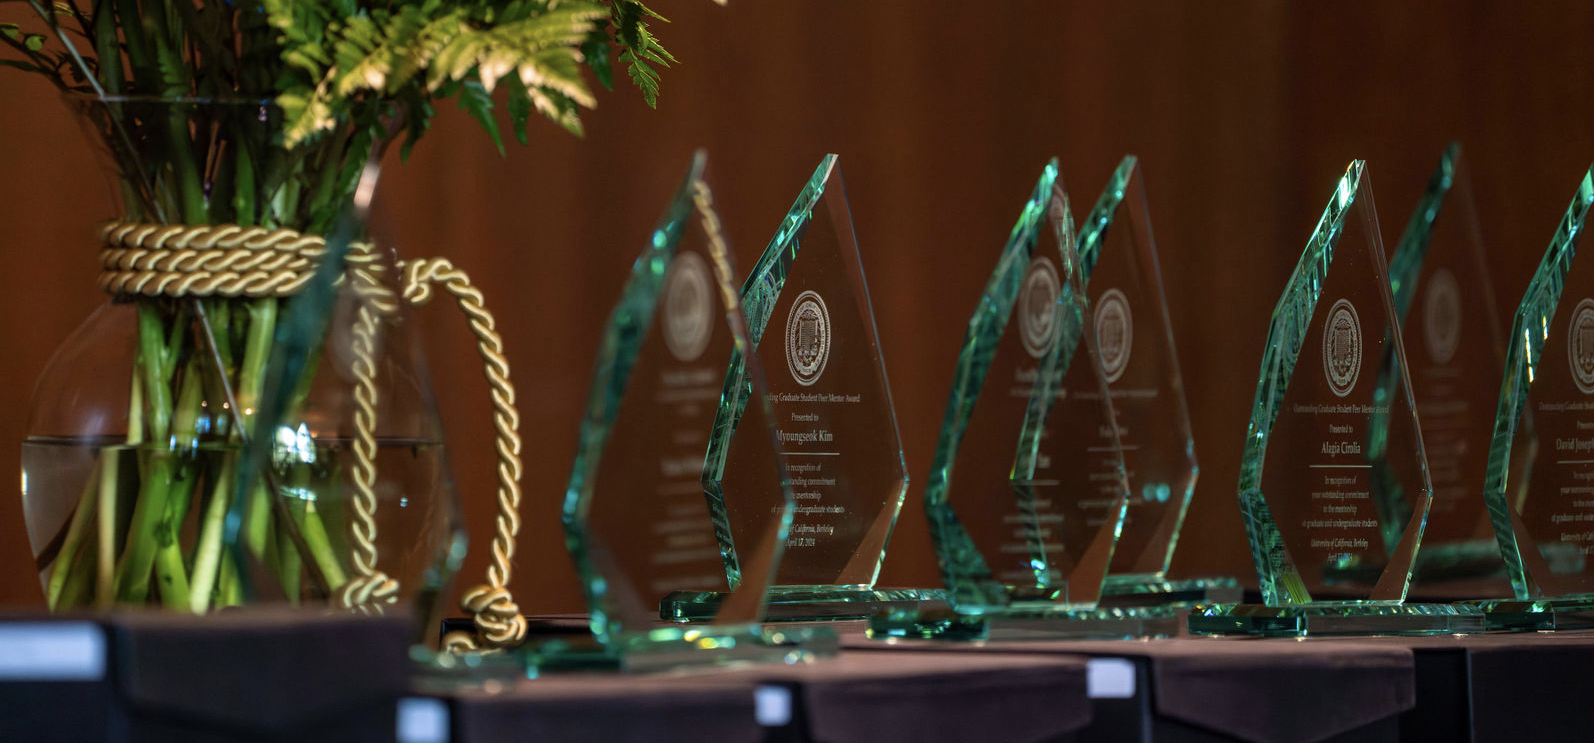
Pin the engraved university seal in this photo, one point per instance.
(1441, 322)
(1342, 348)
(1580, 345)
(1037, 311)
(688, 307)
(1115, 333)
(807, 338)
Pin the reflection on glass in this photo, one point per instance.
(638, 517)
(1330, 556)
(811, 323)
(1444, 296)
(1540, 483)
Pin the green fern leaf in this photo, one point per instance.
(596, 52)
(475, 100)
(643, 76)
(303, 116)
(418, 112)
(520, 108)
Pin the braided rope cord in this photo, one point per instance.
(233, 261)
(369, 590)
(206, 261)
(499, 623)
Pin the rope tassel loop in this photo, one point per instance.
(499, 623)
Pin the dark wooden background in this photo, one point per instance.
(1243, 113)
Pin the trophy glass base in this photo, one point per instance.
(1543, 615)
(444, 672)
(668, 648)
(1335, 619)
(1103, 623)
(1127, 591)
(804, 603)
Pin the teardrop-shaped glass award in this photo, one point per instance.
(638, 515)
(1331, 558)
(1540, 483)
(1129, 313)
(1023, 514)
(813, 331)
(1445, 298)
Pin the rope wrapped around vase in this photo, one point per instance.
(231, 261)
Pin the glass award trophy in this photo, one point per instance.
(1022, 515)
(1445, 301)
(1330, 557)
(1540, 483)
(1118, 258)
(813, 331)
(637, 519)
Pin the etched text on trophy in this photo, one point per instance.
(1341, 519)
(689, 394)
(809, 442)
(1565, 497)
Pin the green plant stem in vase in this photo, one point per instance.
(240, 132)
(163, 448)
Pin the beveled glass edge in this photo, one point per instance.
(1279, 580)
(1276, 574)
(964, 570)
(1529, 327)
(757, 302)
(1072, 309)
(1093, 231)
(1069, 319)
(744, 382)
(768, 276)
(835, 194)
(617, 353)
(674, 648)
(1406, 264)
(1092, 237)
(1344, 619)
(759, 294)
(623, 334)
(1404, 271)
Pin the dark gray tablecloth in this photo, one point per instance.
(256, 675)
(275, 671)
(1501, 687)
(854, 698)
(658, 708)
(1259, 690)
(934, 697)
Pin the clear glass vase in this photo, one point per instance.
(135, 481)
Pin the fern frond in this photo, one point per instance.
(640, 47)
(475, 100)
(642, 76)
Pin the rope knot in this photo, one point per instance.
(419, 276)
(498, 618)
(369, 594)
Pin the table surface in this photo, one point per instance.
(1261, 690)
(854, 697)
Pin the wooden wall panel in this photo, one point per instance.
(1243, 113)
